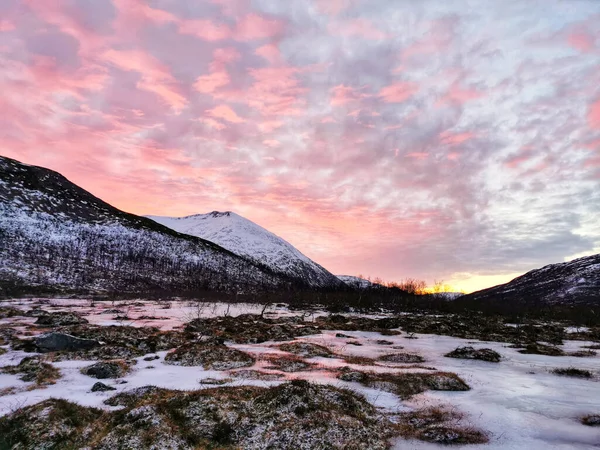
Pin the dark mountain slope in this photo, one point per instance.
(575, 282)
(55, 235)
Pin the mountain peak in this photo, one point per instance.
(248, 239)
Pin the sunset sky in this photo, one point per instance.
(454, 140)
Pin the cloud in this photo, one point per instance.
(226, 113)
(417, 141)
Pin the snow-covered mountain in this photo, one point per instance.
(356, 282)
(55, 236)
(245, 238)
(573, 282)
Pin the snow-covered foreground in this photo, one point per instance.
(517, 401)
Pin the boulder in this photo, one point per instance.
(483, 354)
(106, 369)
(101, 387)
(55, 342)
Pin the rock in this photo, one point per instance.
(354, 376)
(101, 387)
(60, 319)
(106, 369)
(483, 354)
(383, 342)
(342, 335)
(592, 420)
(54, 342)
(151, 358)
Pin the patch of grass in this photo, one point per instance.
(288, 363)
(573, 372)
(358, 360)
(542, 349)
(209, 356)
(33, 369)
(592, 420)
(406, 385)
(306, 349)
(403, 358)
(439, 425)
(583, 353)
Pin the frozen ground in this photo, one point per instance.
(517, 401)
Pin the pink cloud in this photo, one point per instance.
(269, 125)
(362, 28)
(333, 7)
(156, 77)
(581, 40)
(417, 155)
(341, 95)
(456, 94)
(271, 143)
(253, 26)
(448, 137)
(210, 83)
(594, 114)
(205, 29)
(398, 92)
(270, 52)
(5, 25)
(226, 113)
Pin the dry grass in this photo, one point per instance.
(438, 425)
(287, 363)
(405, 385)
(573, 372)
(306, 349)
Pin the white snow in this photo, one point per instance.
(518, 401)
(245, 238)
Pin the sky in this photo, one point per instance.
(437, 140)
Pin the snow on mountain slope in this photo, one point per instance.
(572, 282)
(55, 235)
(356, 282)
(245, 238)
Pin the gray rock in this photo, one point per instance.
(101, 387)
(108, 369)
(54, 342)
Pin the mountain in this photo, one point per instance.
(245, 238)
(356, 282)
(55, 236)
(575, 282)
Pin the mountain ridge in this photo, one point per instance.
(572, 282)
(246, 238)
(56, 235)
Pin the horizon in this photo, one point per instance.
(431, 141)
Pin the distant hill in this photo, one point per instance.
(356, 282)
(575, 282)
(245, 238)
(56, 236)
